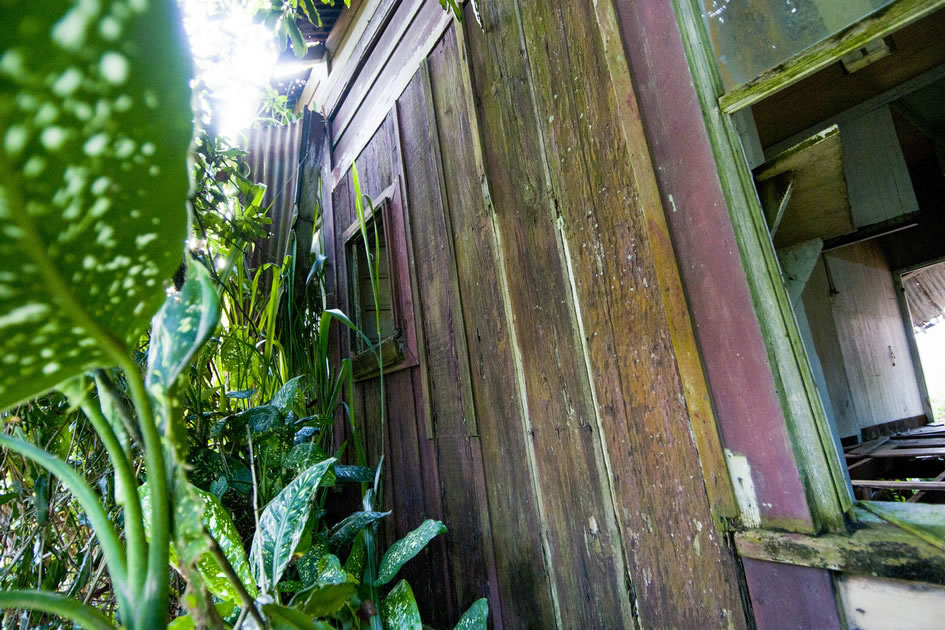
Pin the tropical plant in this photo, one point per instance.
(94, 104)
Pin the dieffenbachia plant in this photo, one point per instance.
(95, 126)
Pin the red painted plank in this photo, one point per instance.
(743, 389)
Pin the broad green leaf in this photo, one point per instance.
(326, 599)
(298, 41)
(183, 324)
(261, 419)
(330, 571)
(218, 523)
(357, 556)
(284, 618)
(354, 474)
(399, 609)
(186, 622)
(95, 125)
(282, 523)
(406, 548)
(241, 394)
(286, 395)
(476, 617)
(304, 455)
(307, 565)
(342, 533)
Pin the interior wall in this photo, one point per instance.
(860, 337)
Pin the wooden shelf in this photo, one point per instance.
(804, 191)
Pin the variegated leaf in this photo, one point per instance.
(476, 616)
(406, 548)
(216, 520)
(399, 609)
(183, 324)
(286, 396)
(95, 127)
(282, 523)
(342, 533)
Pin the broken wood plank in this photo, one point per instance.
(909, 442)
(910, 452)
(868, 447)
(876, 549)
(918, 496)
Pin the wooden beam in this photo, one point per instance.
(899, 485)
(893, 94)
(915, 498)
(880, 24)
(797, 263)
(875, 549)
(910, 452)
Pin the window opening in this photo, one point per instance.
(925, 296)
(850, 171)
(752, 36)
(369, 314)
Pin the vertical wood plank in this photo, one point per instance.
(593, 328)
(523, 575)
(458, 455)
(586, 557)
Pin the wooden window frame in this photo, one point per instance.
(880, 23)
(399, 350)
(856, 537)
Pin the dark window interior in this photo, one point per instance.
(368, 312)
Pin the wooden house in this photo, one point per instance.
(642, 308)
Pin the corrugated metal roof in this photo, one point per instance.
(925, 294)
(328, 14)
(274, 161)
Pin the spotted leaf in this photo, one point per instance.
(342, 532)
(179, 329)
(282, 523)
(476, 616)
(406, 548)
(399, 609)
(95, 126)
(190, 545)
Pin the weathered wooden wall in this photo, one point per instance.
(547, 421)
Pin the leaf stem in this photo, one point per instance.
(134, 524)
(57, 604)
(152, 611)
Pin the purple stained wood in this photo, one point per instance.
(790, 597)
(741, 383)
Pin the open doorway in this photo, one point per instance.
(849, 165)
(925, 296)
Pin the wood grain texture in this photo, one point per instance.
(523, 577)
(459, 457)
(598, 361)
(730, 337)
